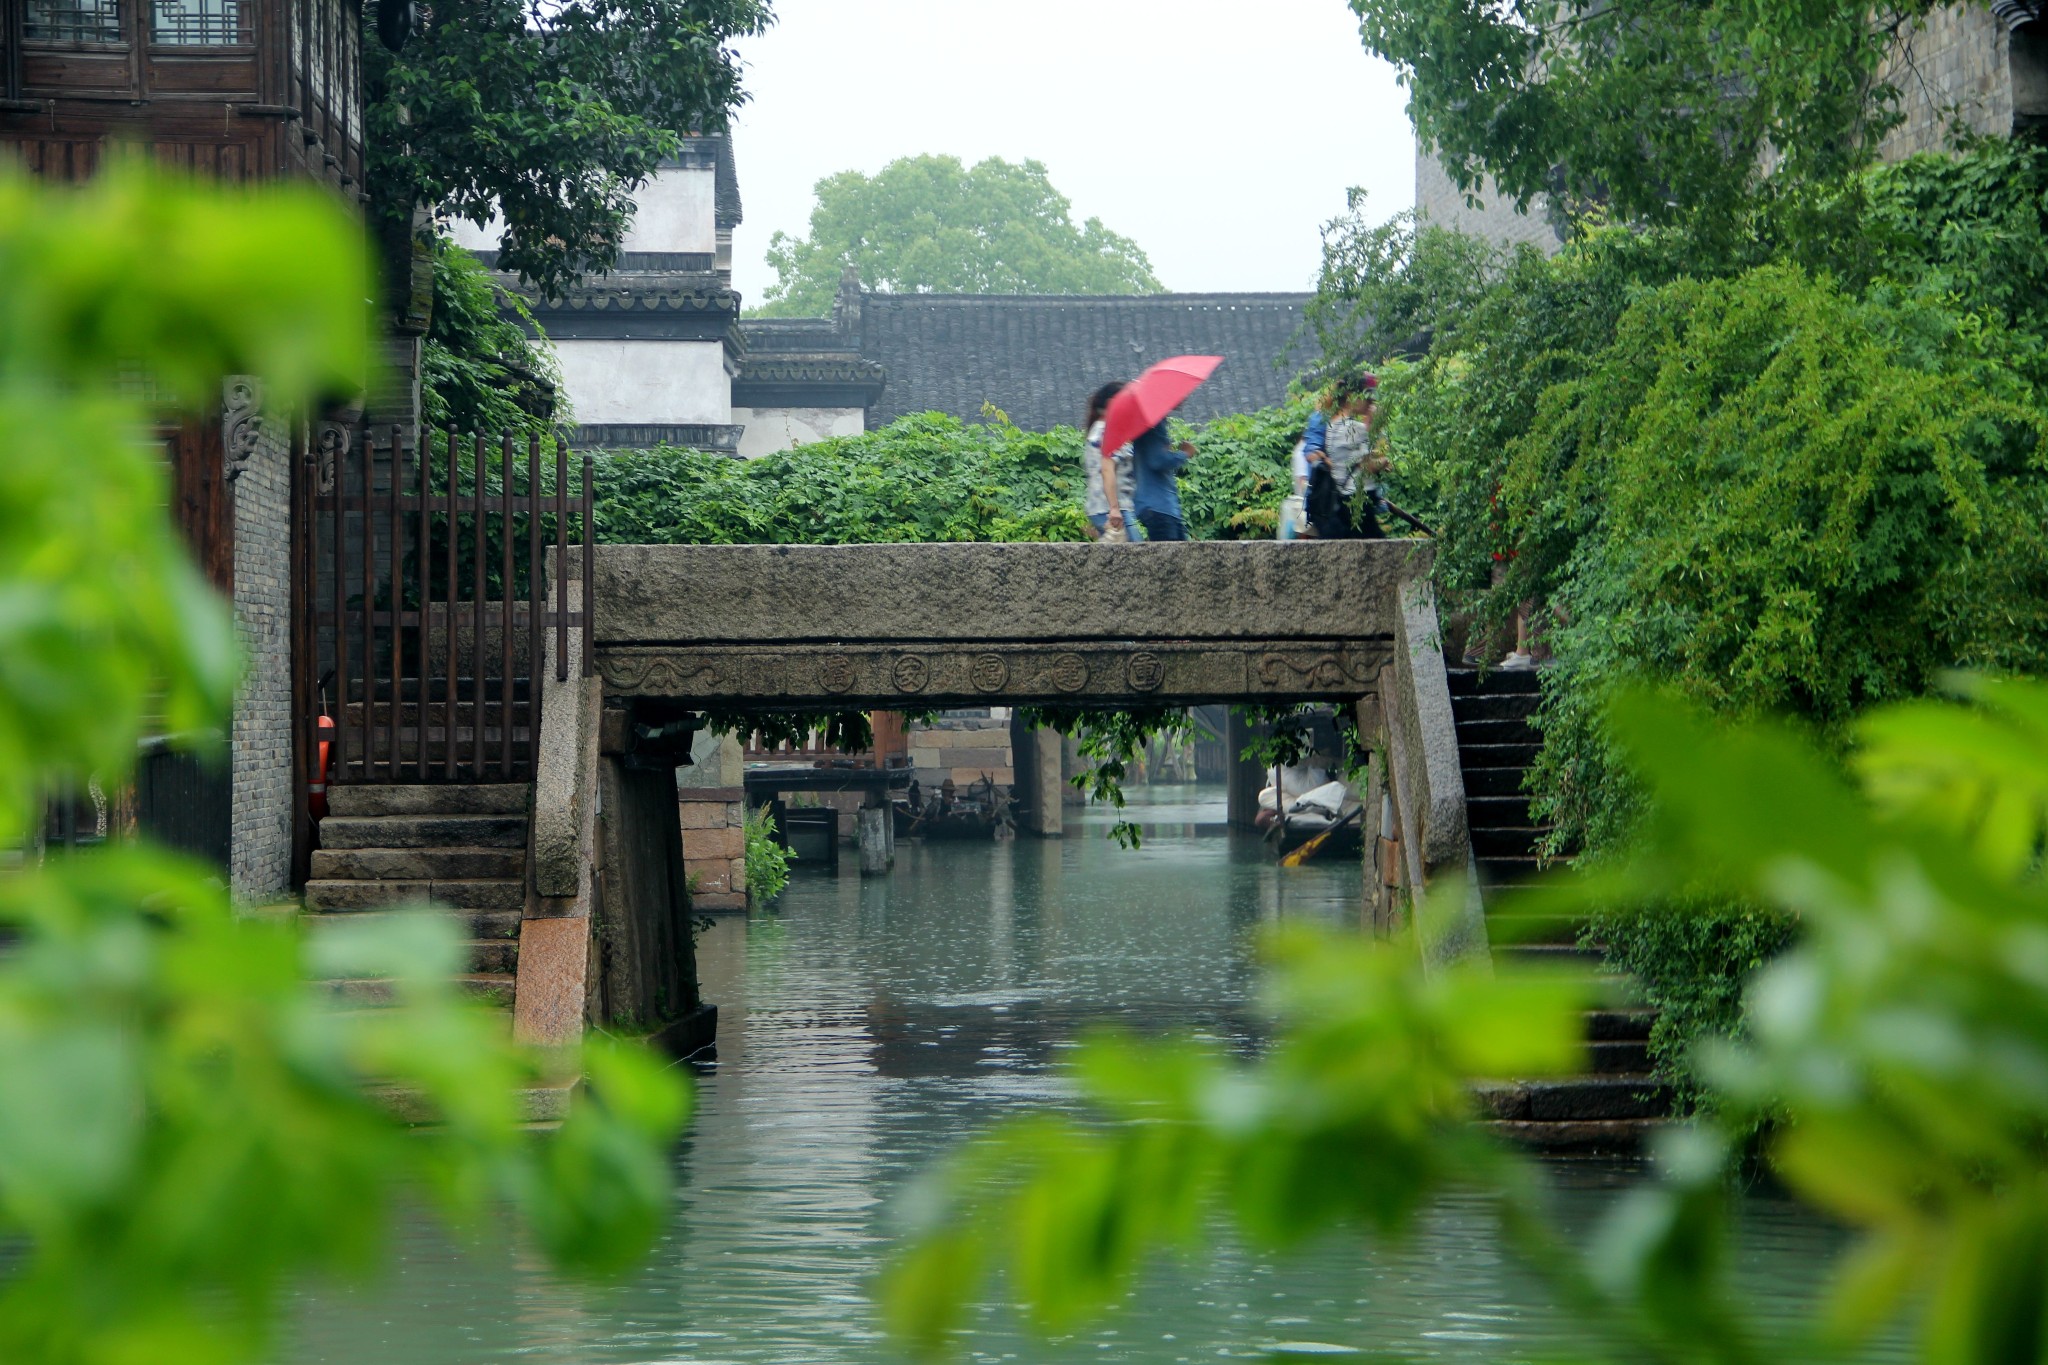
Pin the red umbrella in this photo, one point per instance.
(1145, 401)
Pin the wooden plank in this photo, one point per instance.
(200, 501)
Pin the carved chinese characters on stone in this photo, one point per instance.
(1145, 671)
(1069, 672)
(910, 674)
(989, 673)
(835, 673)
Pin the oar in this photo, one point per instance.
(1315, 845)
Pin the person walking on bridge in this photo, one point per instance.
(1338, 448)
(1158, 463)
(1108, 499)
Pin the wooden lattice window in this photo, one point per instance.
(202, 23)
(73, 21)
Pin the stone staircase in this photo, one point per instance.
(459, 847)
(1616, 1102)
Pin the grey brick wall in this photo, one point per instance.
(1438, 200)
(1952, 66)
(261, 744)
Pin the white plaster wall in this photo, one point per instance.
(646, 381)
(677, 211)
(477, 236)
(771, 429)
(1438, 200)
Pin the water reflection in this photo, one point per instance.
(869, 1025)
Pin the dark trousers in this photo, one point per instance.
(1332, 514)
(1160, 526)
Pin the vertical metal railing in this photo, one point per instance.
(427, 590)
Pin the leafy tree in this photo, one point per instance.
(928, 224)
(549, 114)
(191, 1119)
(1665, 112)
(481, 371)
(1384, 287)
(1773, 497)
(1896, 1049)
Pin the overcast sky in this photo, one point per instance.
(1218, 134)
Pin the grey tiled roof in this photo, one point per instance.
(1038, 357)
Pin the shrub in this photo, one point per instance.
(767, 860)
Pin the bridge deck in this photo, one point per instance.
(938, 625)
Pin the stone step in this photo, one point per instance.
(1497, 755)
(493, 988)
(1477, 732)
(1628, 1057)
(491, 798)
(1511, 842)
(494, 893)
(1493, 681)
(1501, 872)
(1576, 1099)
(1496, 812)
(1494, 706)
(1588, 1137)
(539, 1104)
(1505, 930)
(1492, 781)
(423, 831)
(1619, 1025)
(1538, 954)
(480, 924)
(420, 864)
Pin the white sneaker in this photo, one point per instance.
(1517, 659)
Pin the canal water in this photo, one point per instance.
(867, 1026)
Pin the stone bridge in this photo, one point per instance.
(680, 630)
(910, 627)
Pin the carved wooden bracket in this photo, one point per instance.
(242, 426)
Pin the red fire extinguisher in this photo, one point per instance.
(316, 790)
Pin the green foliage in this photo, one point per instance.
(1665, 113)
(1776, 497)
(481, 371)
(548, 114)
(190, 1119)
(767, 860)
(1900, 1041)
(929, 224)
(927, 478)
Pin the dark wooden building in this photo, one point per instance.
(243, 91)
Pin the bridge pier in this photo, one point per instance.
(1040, 758)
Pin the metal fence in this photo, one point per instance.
(427, 598)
